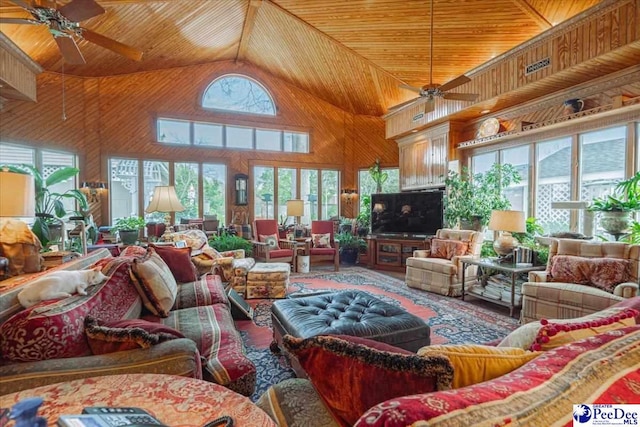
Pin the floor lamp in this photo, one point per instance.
(165, 200)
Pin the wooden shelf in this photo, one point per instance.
(391, 253)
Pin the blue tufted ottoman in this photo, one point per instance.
(353, 313)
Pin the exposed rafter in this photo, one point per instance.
(249, 22)
(532, 13)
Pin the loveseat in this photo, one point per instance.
(593, 359)
(581, 277)
(190, 333)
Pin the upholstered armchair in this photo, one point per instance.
(581, 277)
(439, 268)
(322, 247)
(267, 245)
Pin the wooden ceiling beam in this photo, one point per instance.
(532, 13)
(249, 22)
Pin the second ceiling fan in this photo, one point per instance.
(429, 93)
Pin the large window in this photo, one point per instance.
(46, 161)
(318, 189)
(367, 186)
(518, 194)
(238, 94)
(128, 177)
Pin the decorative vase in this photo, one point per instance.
(614, 222)
(128, 237)
(349, 256)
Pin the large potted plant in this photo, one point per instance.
(129, 228)
(378, 175)
(350, 246)
(363, 220)
(49, 206)
(470, 199)
(615, 209)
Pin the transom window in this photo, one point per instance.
(239, 94)
(217, 135)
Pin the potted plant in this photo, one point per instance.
(471, 198)
(346, 225)
(378, 175)
(350, 246)
(615, 209)
(49, 206)
(363, 220)
(228, 242)
(129, 228)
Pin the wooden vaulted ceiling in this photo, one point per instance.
(351, 53)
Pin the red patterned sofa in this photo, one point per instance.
(49, 342)
(596, 361)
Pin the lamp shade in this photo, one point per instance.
(17, 195)
(512, 221)
(164, 199)
(295, 207)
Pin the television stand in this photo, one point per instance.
(388, 252)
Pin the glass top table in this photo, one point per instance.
(509, 268)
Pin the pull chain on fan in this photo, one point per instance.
(429, 93)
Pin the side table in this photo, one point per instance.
(510, 268)
(173, 400)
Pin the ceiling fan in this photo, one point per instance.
(429, 93)
(63, 24)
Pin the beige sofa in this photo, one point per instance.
(543, 298)
(440, 275)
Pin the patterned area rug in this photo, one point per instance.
(451, 320)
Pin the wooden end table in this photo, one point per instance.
(506, 267)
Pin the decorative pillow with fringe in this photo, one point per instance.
(126, 334)
(352, 377)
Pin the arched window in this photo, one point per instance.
(234, 92)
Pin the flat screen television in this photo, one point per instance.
(407, 214)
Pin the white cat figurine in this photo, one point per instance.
(59, 284)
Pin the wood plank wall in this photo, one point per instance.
(115, 116)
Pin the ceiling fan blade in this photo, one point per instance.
(69, 50)
(461, 96)
(411, 88)
(115, 46)
(460, 80)
(79, 10)
(22, 4)
(19, 21)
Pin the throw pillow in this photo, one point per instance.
(372, 376)
(525, 336)
(447, 249)
(155, 283)
(179, 262)
(473, 364)
(603, 273)
(552, 335)
(321, 240)
(133, 251)
(126, 334)
(270, 239)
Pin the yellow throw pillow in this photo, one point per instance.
(474, 364)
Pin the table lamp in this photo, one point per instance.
(17, 195)
(165, 200)
(295, 208)
(506, 222)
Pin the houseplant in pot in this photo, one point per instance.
(363, 220)
(350, 246)
(49, 206)
(470, 199)
(129, 228)
(615, 209)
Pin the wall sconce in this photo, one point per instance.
(241, 189)
(93, 190)
(349, 195)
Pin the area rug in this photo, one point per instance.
(451, 320)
